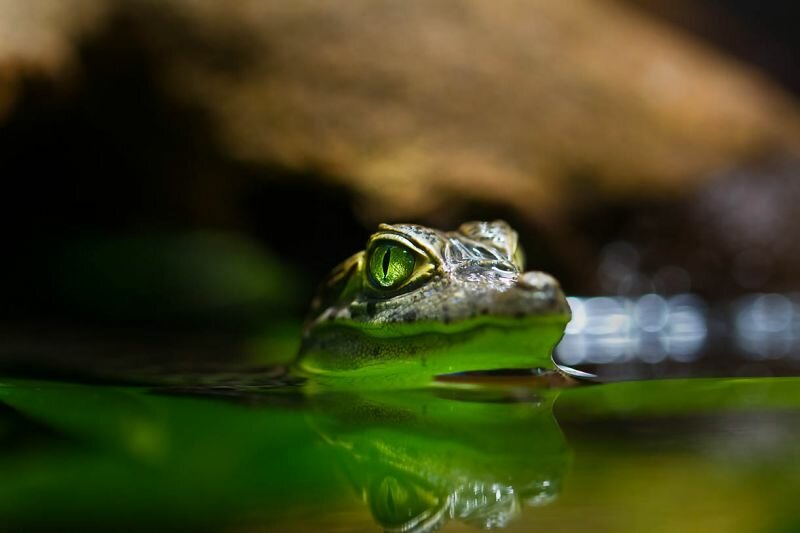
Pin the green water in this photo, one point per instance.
(683, 455)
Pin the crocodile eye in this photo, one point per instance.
(390, 265)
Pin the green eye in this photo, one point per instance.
(390, 265)
(396, 502)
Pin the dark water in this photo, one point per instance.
(671, 455)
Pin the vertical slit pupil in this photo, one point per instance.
(390, 500)
(386, 258)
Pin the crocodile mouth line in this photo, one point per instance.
(531, 376)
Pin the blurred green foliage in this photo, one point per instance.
(198, 277)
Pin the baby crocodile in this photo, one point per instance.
(419, 303)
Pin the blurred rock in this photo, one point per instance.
(40, 38)
(542, 106)
(763, 34)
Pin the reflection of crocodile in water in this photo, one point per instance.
(419, 460)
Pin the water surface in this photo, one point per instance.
(672, 455)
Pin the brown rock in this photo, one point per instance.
(542, 106)
(534, 104)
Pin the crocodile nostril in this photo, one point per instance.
(537, 281)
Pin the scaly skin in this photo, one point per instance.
(468, 305)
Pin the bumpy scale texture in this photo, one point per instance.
(476, 271)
